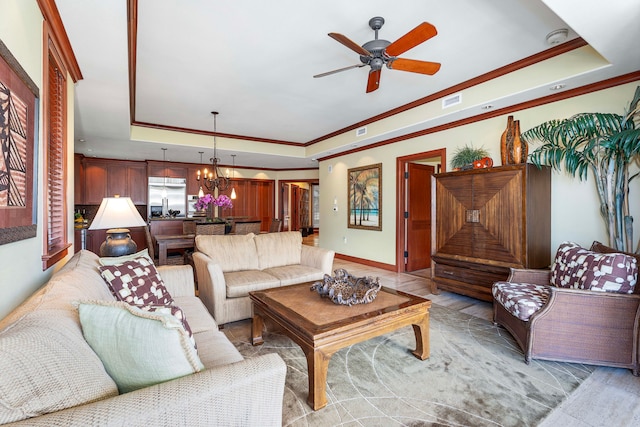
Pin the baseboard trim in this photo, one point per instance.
(381, 265)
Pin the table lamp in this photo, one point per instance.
(114, 214)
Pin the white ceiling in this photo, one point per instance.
(253, 61)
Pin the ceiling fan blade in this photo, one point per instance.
(414, 66)
(374, 80)
(339, 70)
(413, 38)
(350, 44)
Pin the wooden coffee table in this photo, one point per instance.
(321, 327)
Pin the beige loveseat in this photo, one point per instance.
(230, 266)
(49, 375)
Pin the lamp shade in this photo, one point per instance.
(116, 212)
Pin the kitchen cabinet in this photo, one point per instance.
(192, 185)
(168, 169)
(106, 178)
(486, 222)
(95, 181)
(78, 184)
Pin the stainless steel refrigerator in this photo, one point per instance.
(168, 193)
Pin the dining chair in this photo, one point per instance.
(188, 227)
(248, 227)
(172, 259)
(213, 228)
(275, 226)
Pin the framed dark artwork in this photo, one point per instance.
(18, 142)
(365, 197)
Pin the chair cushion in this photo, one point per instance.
(579, 268)
(231, 252)
(278, 249)
(520, 299)
(138, 348)
(240, 283)
(293, 274)
(46, 366)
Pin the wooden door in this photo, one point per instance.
(284, 202)
(497, 198)
(419, 217)
(294, 215)
(454, 231)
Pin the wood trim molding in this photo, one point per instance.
(211, 133)
(59, 35)
(525, 62)
(583, 90)
(376, 264)
(132, 40)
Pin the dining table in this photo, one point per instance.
(173, 241)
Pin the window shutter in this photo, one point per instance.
(55, 183)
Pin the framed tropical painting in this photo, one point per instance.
(365, 197)
(18, 143)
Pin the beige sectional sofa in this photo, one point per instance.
(50, 375)
(229, 267)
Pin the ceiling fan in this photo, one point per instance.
(379, 52)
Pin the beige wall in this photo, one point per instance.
(575, 206)
(21, 263)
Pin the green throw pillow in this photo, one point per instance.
(137, 348)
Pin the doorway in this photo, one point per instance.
(295, 205)
(413, 245)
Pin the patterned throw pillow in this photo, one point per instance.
(136, 282)
(579, 268)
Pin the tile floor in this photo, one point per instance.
(609, 397)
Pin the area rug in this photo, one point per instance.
(476, 376)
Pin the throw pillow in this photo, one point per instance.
(114, 260)
(579, 268)
(136, 282)
(138, 348)
(176, 312)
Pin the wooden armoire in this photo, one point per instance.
(486, 221)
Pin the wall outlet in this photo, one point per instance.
(344, 240)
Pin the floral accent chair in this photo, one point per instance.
(585, 309)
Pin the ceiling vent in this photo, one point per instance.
(361, 131)
(451, 100)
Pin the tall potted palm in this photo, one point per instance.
(604, 143)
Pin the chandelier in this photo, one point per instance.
(214, 178)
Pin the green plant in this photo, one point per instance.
(467, 155)
(604, 143)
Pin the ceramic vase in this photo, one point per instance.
(506, 141)
(519, 149)
(513, 150)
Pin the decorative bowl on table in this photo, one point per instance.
(345, 289)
